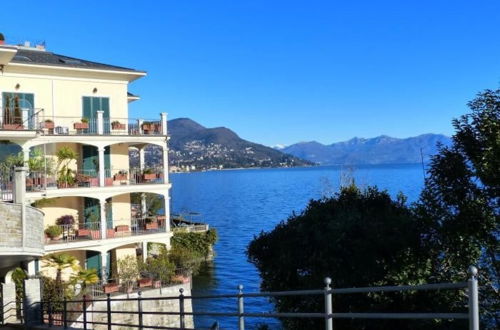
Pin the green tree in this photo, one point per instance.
(61, 262)
(85, 277)
(356, 237)
(459, 208)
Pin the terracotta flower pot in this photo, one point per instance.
(81, 125)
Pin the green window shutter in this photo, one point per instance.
(93, 261)
(90, 160)
(87, 107)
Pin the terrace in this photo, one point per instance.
(37, 120)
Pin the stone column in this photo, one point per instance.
(26, 155)
(102, 206)
(144, 250)
(165, 164)
(19, 184)
(144, 208)
(101, 166)
(104, 264)
(9, 302)
(141, 158)
(166, 199)
(100, 122)
(32, 299)
(163, 116)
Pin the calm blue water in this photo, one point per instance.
(242, 203)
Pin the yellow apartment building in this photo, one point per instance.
(73, 113)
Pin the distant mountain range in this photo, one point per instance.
(192, 144)
(379, 150)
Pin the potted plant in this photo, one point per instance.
(116, 125)
(48, 123)
(151, 223)
(83, 124)
(148, 126)
(120, 176)
(128, 271)
(148, 174)
(54, 232)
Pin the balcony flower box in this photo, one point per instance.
(149, 127)
(13, 126)
(110, 233)
(48, 124)
(111, 287)
(120, 177)
(81, 125)
(117, 126)
(95, 234)
(149, 176)
(83, 233)
(145, 282)
(151, 225)
(180, 279)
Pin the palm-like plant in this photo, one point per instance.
(86, 277)
(64, 156)
(61, 262)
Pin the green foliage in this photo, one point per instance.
(185, 260)
(358, 238)
(66, 175)
(18, 277)
(364, 238)
(154, 202)
(86, 277)
(459, 208)
(39, 162)
(60, 262)
(55, 292)
(199, 243)
(53, 231)
(159, 268)
(128, 270)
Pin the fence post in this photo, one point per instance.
(472, 293)
(241, 308)
(65, 313)
(328, 305)
(108, 309)
(84, 312)
(139, 308)
(181, 307)
(49, 311)
(42, 312)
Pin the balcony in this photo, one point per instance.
(122, 228)
(41, 181)
(37, 120)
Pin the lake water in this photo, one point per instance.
(242, 203)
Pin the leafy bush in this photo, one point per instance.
(53, 231)
(200, 244)
(65, 220)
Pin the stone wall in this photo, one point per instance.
(11, 235)
(171, 305)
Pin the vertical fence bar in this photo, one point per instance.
(181, 309)
(241, 308)
(84, 309)
(139, 308)
(49, 311)
(472, 293)
(108, 310)
(41, 312)
(65, 313)
(328, 304)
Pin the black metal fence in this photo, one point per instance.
(57, 313)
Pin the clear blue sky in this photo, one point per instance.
(284, 71)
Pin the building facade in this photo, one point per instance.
(70, 119)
